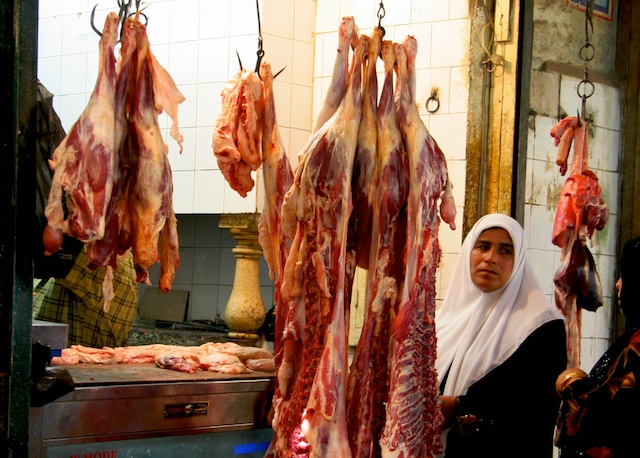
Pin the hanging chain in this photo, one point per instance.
(587, 53)
(381, 14)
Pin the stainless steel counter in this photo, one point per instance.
(122, 410)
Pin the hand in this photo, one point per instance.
(448, 408)
(567, 377)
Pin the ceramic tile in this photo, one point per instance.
(458, 9)
(214, 18)
(430, 10)
(588, 324)
(459, 89)
(205, 159)
(71, 107)
(422, 33)
(49, 70)
(540, 262)
(303, 58)
(603, 320)
(210, 67)
(528, 187)
(327, 15)
(209, 103)
(183, 62)
(267, 297)
(183, 191)
(186, 160)
(297, 142)
(263, 272)
(186, 229)
(50, 37)
(301, 108)
(445, 270)
(279, 53)
(457, 175)
(234, 203)
(75, 7)
(545, 190)
(91, 71)
(204, 301)
(50, 8)
(183, 26)
(570, 103)
(206, 266)
(159, 26)
(450, 131)
(611, 146)
(611, 109)
(244, 19)
(246, 47)
(329, 54)
(545, 93)
(318, 47)
(75, 33)
(541, 227)
(209, 191)
(596, 148)
(187, 113)
(543, 145)
(282, 98)
(224, 292)
(208, 230)
(74, 74)
(228, 264)
(185, 272)
(227, 240)
(610, 183)
(455, 53)
(304, 20)
(428, 81)
(320, 88)
(587, 354)
(278, 18)
(451, 240)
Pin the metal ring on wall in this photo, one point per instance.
(433, 98)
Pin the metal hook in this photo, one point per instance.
(260, 52)
(381, 13)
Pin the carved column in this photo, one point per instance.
(245, 312)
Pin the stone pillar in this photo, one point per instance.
(245, 312)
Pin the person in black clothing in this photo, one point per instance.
(501, 346)
(600, 415)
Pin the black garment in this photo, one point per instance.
(511, 411)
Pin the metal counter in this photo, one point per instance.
(141, 410)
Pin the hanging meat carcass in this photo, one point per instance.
(368, 375)
(84, 162)
(317, 209)
(151, 197)
(237, 136)
(580, 212)
(413, 428)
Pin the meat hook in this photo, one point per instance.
(123, 13)
(260, 52)
(381, 13)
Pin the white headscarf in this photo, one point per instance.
(478, 331)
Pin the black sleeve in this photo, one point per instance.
(512, 410)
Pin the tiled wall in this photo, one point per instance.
(556, 93)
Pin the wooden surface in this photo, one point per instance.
(115, 374)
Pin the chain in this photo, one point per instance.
(587, 53)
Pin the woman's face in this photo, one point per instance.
(619, 288)
(492, 259)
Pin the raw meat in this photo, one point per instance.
(84, 162)
(413, 428)
(580, 212)
(318, 206)
(368, 375)
(151, 197)
(237, 135)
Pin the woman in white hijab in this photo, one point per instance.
(501, 345)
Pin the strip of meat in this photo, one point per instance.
(368, 375)
(347, 36)
(413, 428)
(84, 162)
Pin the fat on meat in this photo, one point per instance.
(368, 374)
(318, 206)
(151, 197)
(413, 428)
(237, 135)
(85, 160)
(347, 37)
